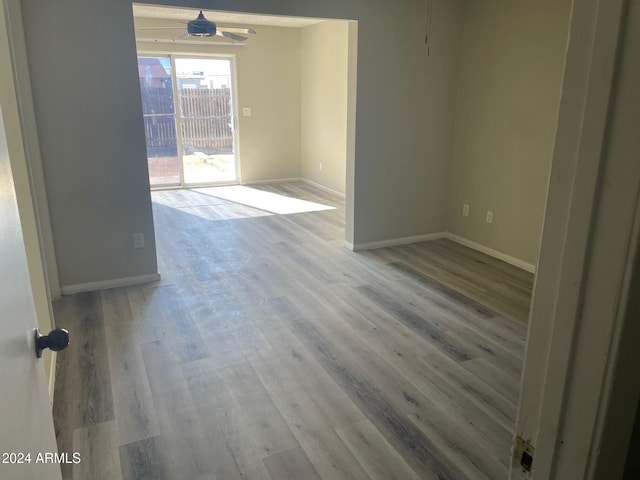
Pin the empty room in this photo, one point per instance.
(318, 240)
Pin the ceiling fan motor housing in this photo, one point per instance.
(201, 27)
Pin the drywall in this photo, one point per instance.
(404, 117)
(82, 59)
(268, 81)
(324, 61)
(87, 103)
(510, 73)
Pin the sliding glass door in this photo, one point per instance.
(189, 110)
(158, 109)
(206, 119)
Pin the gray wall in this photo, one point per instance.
(511, 64)
(83, 66)
(87, 101)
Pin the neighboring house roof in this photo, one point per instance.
(151, 68)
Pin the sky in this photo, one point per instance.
(210, 66)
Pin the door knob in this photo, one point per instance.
(57, 340)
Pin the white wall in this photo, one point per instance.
(324, 61)
(268, 80)
(511, 64)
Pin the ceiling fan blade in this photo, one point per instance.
(236, 29)
(232, 36)
(160, 28)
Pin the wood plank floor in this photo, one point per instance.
(269, 351)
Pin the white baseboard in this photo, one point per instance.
(491, 252)
(275, 180)
(323, 188)
(392, 242)
(106, 284)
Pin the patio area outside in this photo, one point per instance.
(199, 168)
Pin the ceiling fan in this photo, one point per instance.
(201, 27)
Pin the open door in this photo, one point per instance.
(27, 441)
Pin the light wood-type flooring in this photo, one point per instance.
(270, 351)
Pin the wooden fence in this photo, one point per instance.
(206, 117)
(205, 114)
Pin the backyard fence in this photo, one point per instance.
(205, 117)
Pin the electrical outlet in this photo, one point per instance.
(138, 240)
(489, 216)
(320, 166)
(465, 209)
(246, 111)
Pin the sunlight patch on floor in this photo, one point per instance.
(268, 201)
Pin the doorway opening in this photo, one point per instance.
(189, 115)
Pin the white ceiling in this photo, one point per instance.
(186, 14)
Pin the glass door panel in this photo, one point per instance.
(206, 120)
(156, 87)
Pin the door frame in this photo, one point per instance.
(589, 244)
(234, 107)
(176, 124)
